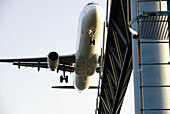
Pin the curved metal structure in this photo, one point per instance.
(117, 60)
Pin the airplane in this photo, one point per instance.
(84, 63)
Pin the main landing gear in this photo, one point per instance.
(63, 77)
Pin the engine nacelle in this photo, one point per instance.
(53, 61)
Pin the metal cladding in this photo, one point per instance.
(150, 57)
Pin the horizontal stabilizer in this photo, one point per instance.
(93, 87)
(72, 87)
(63, 87)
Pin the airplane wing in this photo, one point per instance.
(65, 62)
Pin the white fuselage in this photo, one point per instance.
(91, 18)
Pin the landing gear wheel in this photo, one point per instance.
(61, 79)
(92, 42)
(66, 79)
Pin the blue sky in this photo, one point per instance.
(33, 28)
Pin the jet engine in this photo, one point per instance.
(53, 61)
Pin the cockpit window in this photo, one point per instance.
(92, 3)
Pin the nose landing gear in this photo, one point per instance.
(92, 42)
(91, 34)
